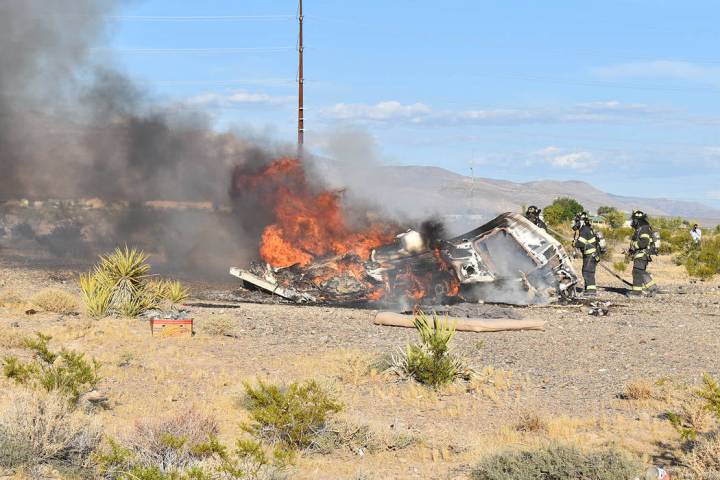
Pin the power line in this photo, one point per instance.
(196, 51)
(189, 18)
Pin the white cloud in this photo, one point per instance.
(574, 160)
(386, 110)
(715, 195)
(237, 98)
(610, 111)
(660, 69)
(558, 157)
(551, 150)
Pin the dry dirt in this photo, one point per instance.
(571, 374)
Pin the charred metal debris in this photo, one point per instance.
(507, 260)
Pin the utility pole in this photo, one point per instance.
(301, 80)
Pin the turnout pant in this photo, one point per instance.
(588, 272)
(641, 278)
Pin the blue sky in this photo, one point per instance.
(622, 94)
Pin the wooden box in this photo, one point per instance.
(162, 327)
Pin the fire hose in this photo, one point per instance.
(604, 267)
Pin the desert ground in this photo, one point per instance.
(562, 384)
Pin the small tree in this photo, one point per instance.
(615, 219)
(562, 210)
(604, 210)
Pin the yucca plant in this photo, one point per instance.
(96, 293)
(431, 362)
(127, 271)
(119, 284)
(174, 291)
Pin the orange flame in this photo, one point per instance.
(308, 225)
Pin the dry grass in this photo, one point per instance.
(56, 301)
(170, 441)
(39, 428)
(639, 389)
(704, 459)
(531, 420)
(219, 325)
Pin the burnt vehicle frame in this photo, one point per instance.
(507, 260)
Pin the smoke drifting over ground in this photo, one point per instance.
(74, 128)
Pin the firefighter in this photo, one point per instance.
(534, 214)
(587, 243)
(641, 249)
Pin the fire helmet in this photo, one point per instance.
(637, 217)
(581, 219)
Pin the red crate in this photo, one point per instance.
(162, 327)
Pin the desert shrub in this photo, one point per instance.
(705, 262)
(119, 283)
(703, 460)
(430, 362)
(615, 235)
(66, 371)
(39, 428)
(614, 218)
(562, 210)
(56, 301)
(219, 325)
(170, 443)
(620, 266)
(290, 415)
(558, 462)
(640, 389)
(212, 461)
(530, 420)
(691, 415)
(171, 290)
(183, 447)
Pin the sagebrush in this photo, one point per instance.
(66, 371)
(39, 428)
(558, 462)
(184, 447)
(290, 415)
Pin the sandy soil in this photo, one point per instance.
(571, 374)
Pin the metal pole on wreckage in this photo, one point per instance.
(301, 80)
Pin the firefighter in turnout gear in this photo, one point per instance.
(586, 241)
(642, 246)
(534, 214)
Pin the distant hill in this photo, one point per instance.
(424, 190)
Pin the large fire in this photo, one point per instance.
(308, 224)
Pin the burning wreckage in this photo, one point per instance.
(311, 255)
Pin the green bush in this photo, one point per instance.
(704, 263)
(562, 210)
(290, 415)
(615, 219)
(558, 462)
(620, 266)
(701, 439)
(66, 371)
